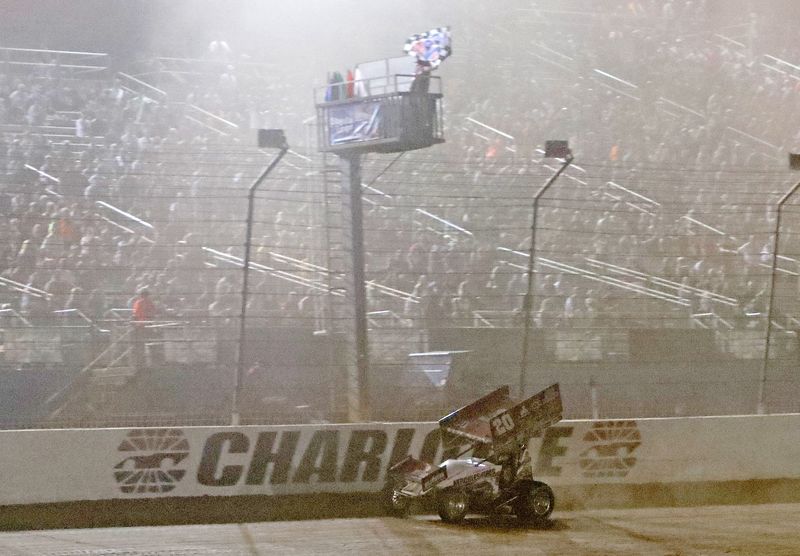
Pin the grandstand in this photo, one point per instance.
(654, 250)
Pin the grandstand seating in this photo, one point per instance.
(113, 181)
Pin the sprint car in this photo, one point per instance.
(496, 477)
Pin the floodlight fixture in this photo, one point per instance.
(272, 139)
(557, 149)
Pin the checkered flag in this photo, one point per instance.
(431, 47)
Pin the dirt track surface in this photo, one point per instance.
(753, 530)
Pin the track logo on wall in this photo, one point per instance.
(152, 460)
(611, 454)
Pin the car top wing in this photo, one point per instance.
(497, 421)
(526, 419)
(472, 420)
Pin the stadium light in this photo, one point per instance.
(552, 149)
(557, 149)
(272, 139)
(761, 408)
(267, 138)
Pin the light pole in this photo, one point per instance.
(794, 164)
(553, 149)
(267, 139)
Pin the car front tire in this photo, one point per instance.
(452, 505)
(394, 501)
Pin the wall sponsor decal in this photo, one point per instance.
(551, 449)
(611, 450)
(321, 456)
(153, 460)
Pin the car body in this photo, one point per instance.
(497, 477)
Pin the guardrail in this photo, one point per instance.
(73, 62)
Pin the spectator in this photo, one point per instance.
(143, 315)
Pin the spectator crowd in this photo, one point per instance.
(666, 219)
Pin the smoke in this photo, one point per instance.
(313, 34)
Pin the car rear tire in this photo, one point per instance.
(452, 505)
(534, 503)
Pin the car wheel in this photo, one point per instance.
(452, 505)
(535, 502)
(395, 502)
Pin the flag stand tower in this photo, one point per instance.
(387, 111)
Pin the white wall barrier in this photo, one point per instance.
(96, 464)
